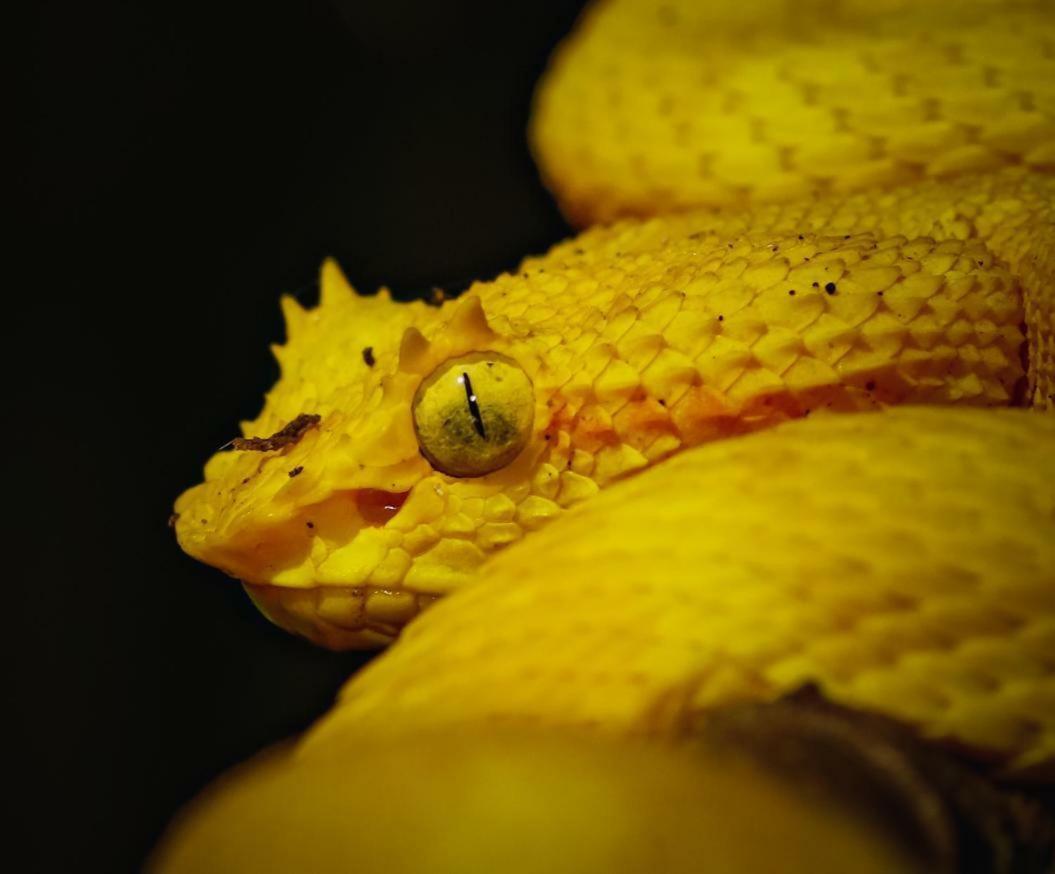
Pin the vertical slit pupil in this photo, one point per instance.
(474, 407)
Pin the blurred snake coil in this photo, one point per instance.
(795, 212)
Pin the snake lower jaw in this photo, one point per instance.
(358, 583)
(340, 617)
(334, 571)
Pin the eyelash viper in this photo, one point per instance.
(819, 208)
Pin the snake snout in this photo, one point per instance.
(297, 547)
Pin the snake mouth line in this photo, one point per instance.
(284, 553)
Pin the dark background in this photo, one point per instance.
(186, 165)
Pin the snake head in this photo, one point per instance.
(401, 444)
(404, 443)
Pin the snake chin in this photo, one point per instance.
(356, 581)
(340, 617)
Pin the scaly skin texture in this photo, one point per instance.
(904, 561)
(654, 107)
(641, 339)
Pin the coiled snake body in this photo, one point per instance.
(841, 207)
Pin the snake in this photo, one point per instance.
(779, 416)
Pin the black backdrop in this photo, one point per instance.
(186, 165)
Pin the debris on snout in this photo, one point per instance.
(289, 435)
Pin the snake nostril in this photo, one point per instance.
(377, 507)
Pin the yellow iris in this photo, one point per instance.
(473, 414)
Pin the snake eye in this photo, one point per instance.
(473, 414)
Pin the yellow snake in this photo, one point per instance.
(852, 210)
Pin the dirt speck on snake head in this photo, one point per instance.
(288, 435)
